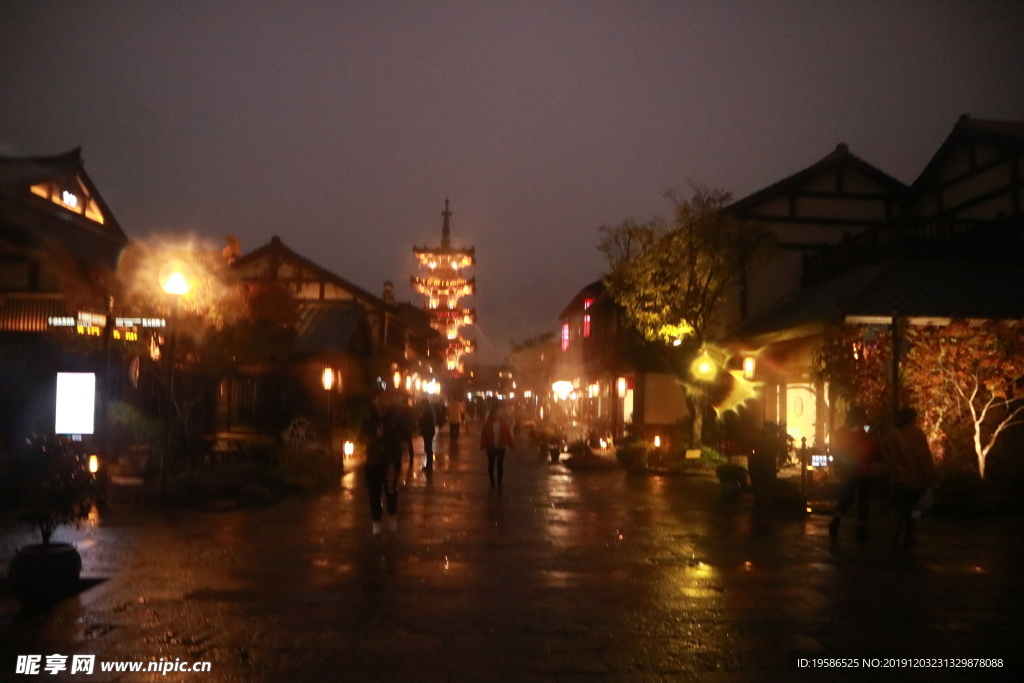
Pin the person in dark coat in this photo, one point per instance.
(385, 431)
(495, 439)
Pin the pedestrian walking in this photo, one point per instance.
(855, 452)
(427, 427)
(456, 414)
(495, 439)
(906, 451)
(408, 415)
(385, 430)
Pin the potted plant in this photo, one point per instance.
(57, 490)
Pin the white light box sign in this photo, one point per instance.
(76, 402)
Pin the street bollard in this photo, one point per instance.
(803, 467)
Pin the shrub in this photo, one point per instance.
(57, 487)
(128, 427)
(711, 458)
(632, 455)
(960, 491)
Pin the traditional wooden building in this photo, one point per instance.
(606, 380)
(361, 337)
(861, 248)
(59, 247)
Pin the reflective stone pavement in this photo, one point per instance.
(563, 576)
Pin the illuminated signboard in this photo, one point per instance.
(76, 401)
(92, 324)
(140, 322)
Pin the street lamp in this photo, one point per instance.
(327, 380)
(175, 279)
(749, 365)
(704, 368)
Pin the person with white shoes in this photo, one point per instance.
(385, 432)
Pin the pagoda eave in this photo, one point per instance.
(444, 251)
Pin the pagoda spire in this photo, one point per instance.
(446, 227)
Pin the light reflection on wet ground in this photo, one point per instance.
(562, 576)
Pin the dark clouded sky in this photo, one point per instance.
(342, 126)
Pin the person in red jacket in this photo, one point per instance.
(495, 439)
(908, 455)
(855, 452)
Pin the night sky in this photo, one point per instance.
(343, 126)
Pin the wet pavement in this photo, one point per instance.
(562, 576)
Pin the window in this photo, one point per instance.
(70, 195)
(565, 336)
(243, 401)
(587, 303)
(586, 325)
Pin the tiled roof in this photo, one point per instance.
(913, 289)
(808, 311)
(33, 220)
(840, 157)
(29, 170)
(1006, 135)
(970, 290)
(330, 330)
(280, 250)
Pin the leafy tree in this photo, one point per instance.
(219, 324)
(855, 362)
(962, 378)
(968, 372)
(670, 278)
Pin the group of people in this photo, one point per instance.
(393, 420)
(903, 449)
(389, 428)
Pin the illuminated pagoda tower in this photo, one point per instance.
(443, 283)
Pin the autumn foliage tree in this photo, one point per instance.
(671, 278)
(968, 372)
(855, 362)
(963, 379)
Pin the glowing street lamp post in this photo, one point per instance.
(327, 380)
(704, 369)
(174, 280)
